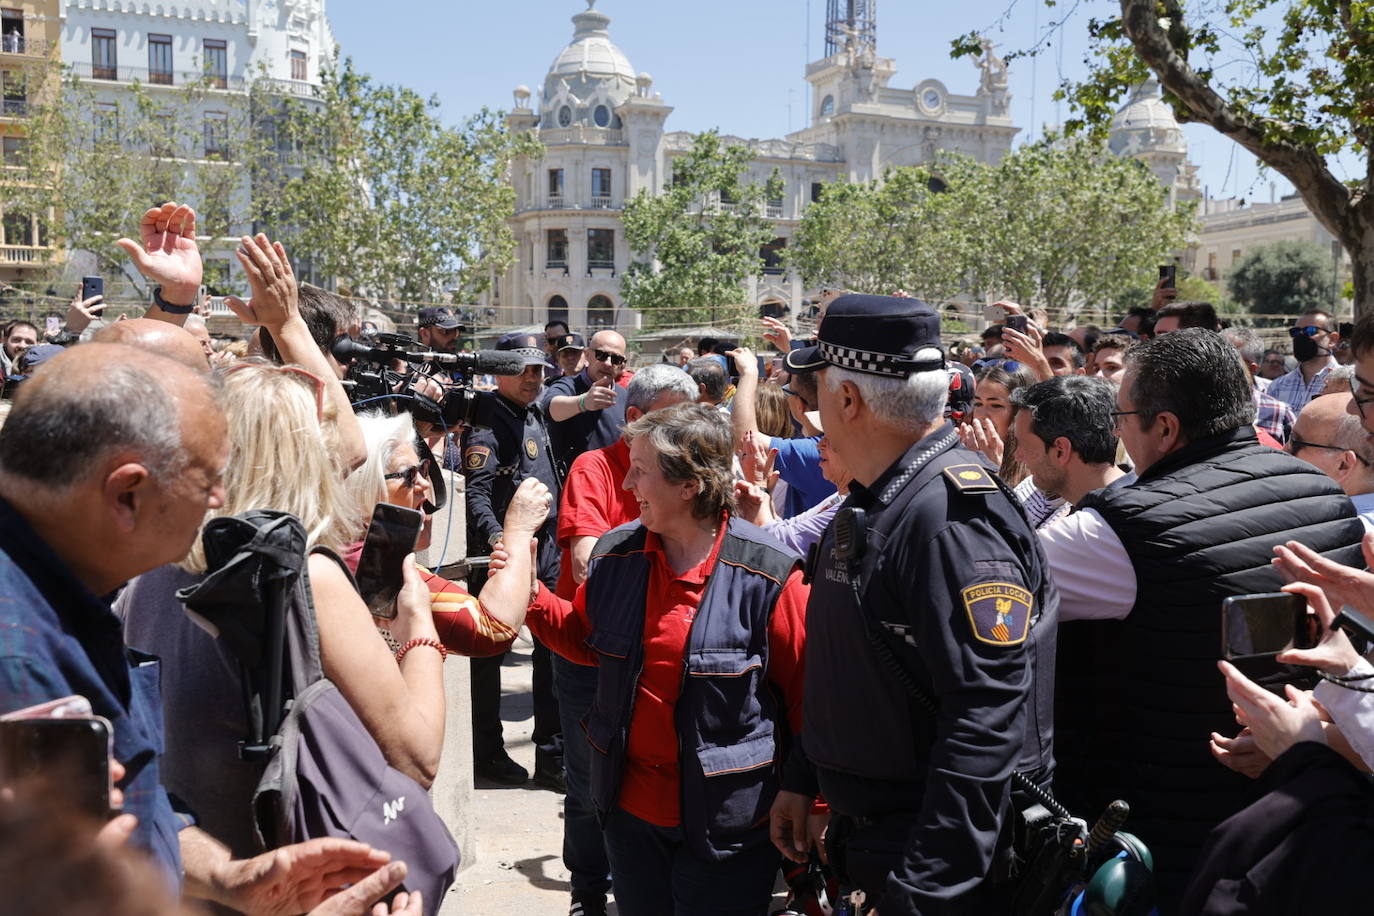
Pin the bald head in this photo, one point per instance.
(612, 345)
(159, 337)
(1330, 437)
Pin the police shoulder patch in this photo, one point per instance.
(999, 612)
(475, 457)
(970, 478)
(531, 448)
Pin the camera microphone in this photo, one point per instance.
(493, 362)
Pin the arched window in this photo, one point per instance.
(564, 116)
(600, 312)
(558, 309)
(827, 106)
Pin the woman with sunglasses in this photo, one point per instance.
(284, 455)
(394, 473)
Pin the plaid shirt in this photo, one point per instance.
(1273, 416)
(56, 640)
(1295, 391)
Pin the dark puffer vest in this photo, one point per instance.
(1199, 526)
(728, 719)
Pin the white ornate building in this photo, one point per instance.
(603, 127)
(1145, 128)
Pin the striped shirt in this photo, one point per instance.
(1295, 391)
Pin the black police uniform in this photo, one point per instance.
(585, 431)
(495, 461)
(957, 581)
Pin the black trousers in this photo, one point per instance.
(488, 738)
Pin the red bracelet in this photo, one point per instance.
(432, 643)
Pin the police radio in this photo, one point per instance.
(851, 535)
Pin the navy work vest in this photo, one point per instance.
(727, 716)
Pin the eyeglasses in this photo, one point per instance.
(790, 392)
(315, 382)
(615, 359)
(1297, 445)
(1309, 331)
(410, 475)
(1118, 414)
(1357, 384)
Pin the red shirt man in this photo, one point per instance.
(594, 502)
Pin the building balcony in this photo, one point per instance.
(598, 264)
(14, 108)
(602, 203)
(122, 74)
(24, 255)
(773, 211)
(299, 88)
(555, 202)
(580, 134)
(556, 264)
(12, 43)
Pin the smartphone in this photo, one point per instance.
(92, 286)
(51, 325)
(1262, 626)
(1169, 274)
(1018, 323)
(994, 313)
(71, 755)
(390, 539)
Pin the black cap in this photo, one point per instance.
(570, 342)
(439, 316)
(879, 335)
(527, 345)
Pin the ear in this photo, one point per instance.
(632, 414)
(125, 494)
(1168, 429)
(850, 400)
(1346, 466)
(1063, 450)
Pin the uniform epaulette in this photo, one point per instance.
(970, 478)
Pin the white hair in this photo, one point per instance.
(655, 379)
(366, 486)
(910, 405)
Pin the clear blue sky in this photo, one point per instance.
(733, 64)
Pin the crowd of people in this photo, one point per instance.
(860, 617)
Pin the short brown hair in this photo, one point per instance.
(693, 443)
(326, 314)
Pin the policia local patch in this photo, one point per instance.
(999, 612)
(475, 458)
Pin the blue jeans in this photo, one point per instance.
(657, 875)
(584, 851)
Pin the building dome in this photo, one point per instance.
(1146, 124)
(589, 77)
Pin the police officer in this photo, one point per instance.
(930, 617)
(495, 461)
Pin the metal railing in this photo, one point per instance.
(122, 74)
(287, 87)
(599, 264)
(773, 210)
(23, 254)
(13, 43)
(556, 202)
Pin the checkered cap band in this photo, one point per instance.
(876, 363)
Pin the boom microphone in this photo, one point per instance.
(493, 362)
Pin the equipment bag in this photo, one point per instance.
(324, 774)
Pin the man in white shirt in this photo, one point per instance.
(1329, 436)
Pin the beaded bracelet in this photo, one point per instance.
(432, 643)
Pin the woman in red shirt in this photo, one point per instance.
(695, 619)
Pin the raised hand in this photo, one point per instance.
(1027, 349)
(81, 312)
(745, 363)
(777, 334)
(1333, 652)
(1276, 725)
(1343, 585)
(980, 435)
(168, 254)
(527, 510)
(275, 295)
(756, 460)
(600, 396)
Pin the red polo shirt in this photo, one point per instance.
(650, 788)
(593, 503)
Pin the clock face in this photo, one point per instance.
(931, 98)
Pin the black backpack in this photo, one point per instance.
(324, 773)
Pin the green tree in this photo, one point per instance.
(384, 197)
(1284, 278)
(907, 231)
(697, 243)
(1291, 82)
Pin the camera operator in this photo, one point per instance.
(1197, 527)
(495, 461)
(951, 594)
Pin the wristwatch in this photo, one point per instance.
(169, 307)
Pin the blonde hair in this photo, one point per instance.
(281, 456)
(366, 487)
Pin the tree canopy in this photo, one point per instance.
(1284, 278)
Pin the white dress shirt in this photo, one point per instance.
(1090, 567)
(1352, 711)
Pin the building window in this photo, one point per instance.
(14, 100)
(216, 134)
(1235, 255)
(104, 59)
(600, 312)
(12, 150)
(12, 31)
(601, 189)
(558, 309)
(216, 63)
(602, 116)
(817, 188)
(557, 255)
(18, 229)
(105, 120)
(555, 189)
(565, 116)
(160, 59)
(601, 248)
(298, 65)
(771, 255)
(773, 208)
(827, 106)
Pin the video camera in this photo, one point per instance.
(371, 378)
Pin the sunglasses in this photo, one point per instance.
(1309, 331)
(315, 383)
(615, 359)
(410, 475)
(1009, 365)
